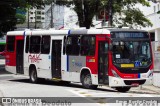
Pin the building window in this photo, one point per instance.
(45, 44)
(154, 9)
(35, 44)
(10, 43)
(38, 12)
(42, 18)
(38, 17)
(73, 45)
(88, 45)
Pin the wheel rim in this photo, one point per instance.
(33, 76)
(87, 80)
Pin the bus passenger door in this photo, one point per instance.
(56, 58)
(19, 56)
(103, 62)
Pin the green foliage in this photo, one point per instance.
(128, 15)
(9, 16)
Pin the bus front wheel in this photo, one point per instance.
(87, 82)
(33, 75)
(122, 89)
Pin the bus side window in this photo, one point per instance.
(73, 46)
(10, 43)
(27, 44)
(88, 45)
(45, 44)
(35, 44)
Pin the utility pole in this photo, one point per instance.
(36, 18)
(28, 17)
(51, 15)
(52, 25)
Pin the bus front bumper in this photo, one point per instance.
(119, 82)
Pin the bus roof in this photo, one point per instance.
(72, 31)
(89, 31)
(47, 32)
(125, 30)
(38, 32)
(15, 33)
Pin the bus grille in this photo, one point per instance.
(130, 82)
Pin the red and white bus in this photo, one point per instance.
(120, 58)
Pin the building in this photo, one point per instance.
(36, 17)
(154, 17)
(63, 17)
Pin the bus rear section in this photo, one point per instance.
(14, 52)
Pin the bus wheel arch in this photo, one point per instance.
(33, 73)
(86, 79)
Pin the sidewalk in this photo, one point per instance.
(146, 89)
(151, 88)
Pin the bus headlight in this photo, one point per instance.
(115, 74)
(150, 74)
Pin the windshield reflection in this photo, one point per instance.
(136, 52)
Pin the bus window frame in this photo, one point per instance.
(39, 50)
(90, 49)
(48, 43)
(72, 45)
(9, 43)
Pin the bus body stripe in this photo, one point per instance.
(139, 75)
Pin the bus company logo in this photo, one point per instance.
(78, 64)
(34, 58)
(6, 100)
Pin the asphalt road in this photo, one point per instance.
(19, 86)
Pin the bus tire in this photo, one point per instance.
(122, 89)
(87, 81)
(33, 75)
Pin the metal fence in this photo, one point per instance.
(156, 55)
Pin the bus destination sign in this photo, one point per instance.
(130, 35)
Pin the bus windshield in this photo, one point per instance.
(134, 53)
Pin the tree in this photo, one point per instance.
(7, 18)
(124, 12)
(13, 12)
